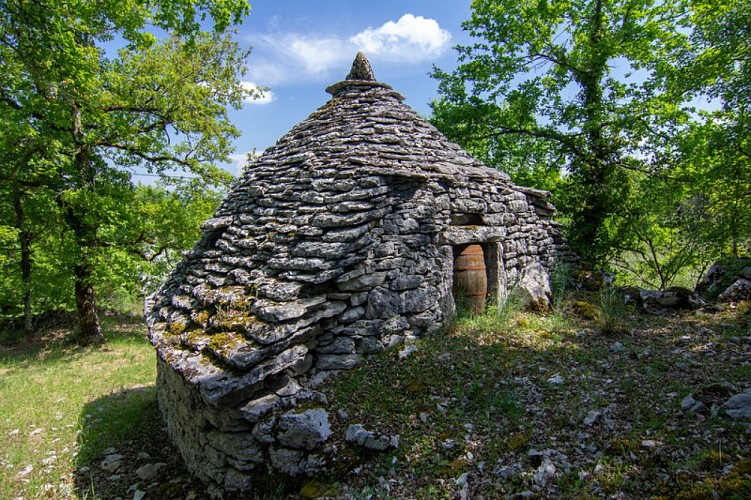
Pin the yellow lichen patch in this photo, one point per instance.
(196, 339)
(201, 317)
(231, 296)
(222, 342)
(232, 319)
(177, 327)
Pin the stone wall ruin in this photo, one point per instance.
(336, 244)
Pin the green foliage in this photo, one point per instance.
(537, 94)
(159, 224)
(528, 161)
(561, 282)
(139, 247)
(666, 241)
(716, 163)
(592, 99)
(496, 317)
(77, 120)
(719, 148)
(612, 311)
(694, 211)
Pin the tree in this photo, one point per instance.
(24, 175)
(528, 160)
(578, 81)
(717, 149)
(159, 224)
(665, 242)
(139, 247)
(157, 104)
(715, 160)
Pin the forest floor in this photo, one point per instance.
(510, 404)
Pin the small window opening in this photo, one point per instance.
(466, 220)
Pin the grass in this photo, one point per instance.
(48, 402)
(476, 399)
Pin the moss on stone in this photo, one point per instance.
(195, 338)
(177, 327)
(317, 489)
(233, 319)
(584, 310)
(223, 341)
(202, 318)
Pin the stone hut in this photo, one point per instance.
(337, 243)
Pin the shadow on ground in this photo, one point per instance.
(54, 337)
(124, 449)
(124, 452)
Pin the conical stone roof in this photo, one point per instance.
(334, 242)
(297, 218)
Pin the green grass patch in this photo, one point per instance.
(48, 397)
(474, 398)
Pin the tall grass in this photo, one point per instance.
(45, 399)
(612, 310)
(496, 317)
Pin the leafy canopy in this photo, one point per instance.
(566, 87)
(79, 116)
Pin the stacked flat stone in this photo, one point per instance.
(334, 245)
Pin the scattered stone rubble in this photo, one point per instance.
(739, 405)
(370, 440)
(728, 281)
(337, 243)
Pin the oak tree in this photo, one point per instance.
(566, 88)
(102, 111)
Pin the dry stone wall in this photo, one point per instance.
(336, 244)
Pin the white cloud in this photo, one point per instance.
(289, 57)
(317, 55)
(411, 38)
(257, 95)
(293, 57)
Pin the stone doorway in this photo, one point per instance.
(493, 267)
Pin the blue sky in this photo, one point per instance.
(299, 47)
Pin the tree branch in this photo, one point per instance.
(553, 135)
(144, 156)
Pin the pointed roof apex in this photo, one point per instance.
(361, 69)
(360, 77)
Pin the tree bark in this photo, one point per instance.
(589, 238)
(89, 330)
(24, 239)
(26, 264)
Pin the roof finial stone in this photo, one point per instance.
(361, 69)
(359, 79)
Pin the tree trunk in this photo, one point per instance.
(24, 239)
(26, 262)
(590, 239)
(89, 330)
